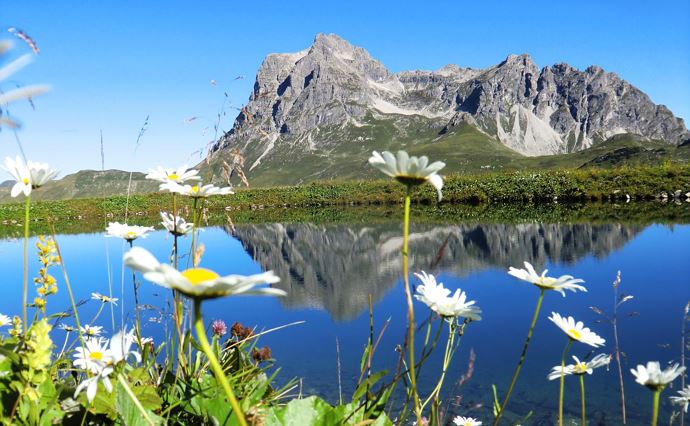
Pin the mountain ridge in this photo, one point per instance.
(311, 102)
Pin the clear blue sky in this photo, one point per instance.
(113, 63)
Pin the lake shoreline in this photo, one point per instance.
(555, 195)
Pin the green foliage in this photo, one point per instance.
(313, 411)
(469, 196)
(128, 411)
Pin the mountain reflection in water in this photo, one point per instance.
(336, 267)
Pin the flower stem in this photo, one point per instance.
(522, 358)
(137, 325)
(447, 356)
(27, 205)
(655, 412)
(560, 394)
(410, 307)
(582, 398)
(215, 365)
(176, 297)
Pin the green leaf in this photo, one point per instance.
(129, 413)
(311, 411)
(368, 384)
(496, 405)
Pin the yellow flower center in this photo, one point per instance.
(131, 235)
(580, 368)
(199, 275)
(96, 355)
(195, 189)
(26, 181)
(173, 176)
(574, 334)
(546, 282)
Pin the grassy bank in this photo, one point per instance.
(500, 190)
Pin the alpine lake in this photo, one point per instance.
(333, 262)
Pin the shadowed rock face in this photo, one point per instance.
(336, 267)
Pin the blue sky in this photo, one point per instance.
(113, 63)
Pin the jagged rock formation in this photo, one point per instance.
(304, 102)
(337, 267)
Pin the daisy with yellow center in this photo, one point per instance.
(410, 171)
(199, 283)
(103, 298)
(544, 282)
(576, 331)
(196, 191)
(655, 379)
(580, 368)
(93, 356)
(127, 232)
(179, 175)
(92, 330)
(5, 320)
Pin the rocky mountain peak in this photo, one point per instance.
(300, 97)
(521, 60)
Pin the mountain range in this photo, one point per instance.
(318, 113)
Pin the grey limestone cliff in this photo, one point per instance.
(300, 100)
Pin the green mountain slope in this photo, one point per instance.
(464, 149)
(86, 184)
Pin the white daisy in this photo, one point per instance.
(577, 331)
(93, 356)
(580, 367)
(181, 175)
(683, 399)
(5, 320)
(437, 298)
(410, 171)
(176, 225)
(560, 284)
(144, 341)
(103, 298)
(92, 330)
(40, 173)
(20, 172)
(654, 377)
(91, 383)
(199, 283)
(128, 232)
(466, 421)
(196, 191)
(67, 328)
(120, 346)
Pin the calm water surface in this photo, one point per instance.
(329, 271)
